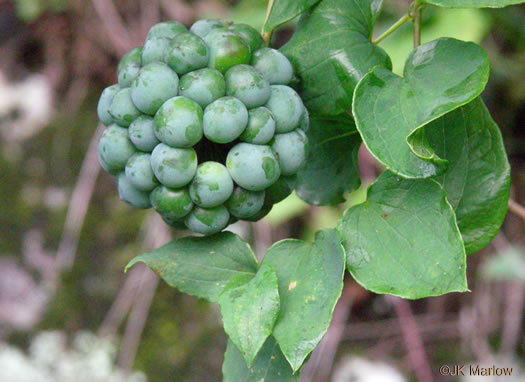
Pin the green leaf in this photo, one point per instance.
(404, 240)
(310, 283)
(472, 3)
(477, 180)
(249, 308)
(269, 365)
(201, 266)
(331, 51)
(285, 10)
(331, 167)
(390, 110)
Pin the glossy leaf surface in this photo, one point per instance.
(331, 51)
(285, 10)
(389, 110)
(404, 240)
(249, 308)
(472, 3)
(310, 283)
(201, 266)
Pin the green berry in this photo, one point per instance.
(286, 107)
(227, 50)
(273, 65)
(211, 186)
(202, 27)
(179, 122)
(131, 195)
(103, 104)
(203, 86)
(291, 150)
(243, 203)
(172, 204)
(129, 67)
(249, 34)
(225, 119)
(207, 221)
(122, 108)
(187, 52)
(142, 133)
(280, 189)
(155, 84)
(244, 83)
(253, 167)
(107, 167)
(265, 210)
(173, 167)
(261, 127)
(166, 29)
(115, 148)
(139, 172)
(155, 50)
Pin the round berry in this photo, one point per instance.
(166, 29)
(243, 203)
(225, 119)
(172, 204)
(122, 108)
(207, 221)
(265, 210)
(155, 84)
(179, 122)
(286, 107)
(202, 27)
(203, 86)
(131, 195)
(253, 167)
(187, 52)
(261, 127)
(129, 67)
(227, 50)
(249, 34)
(139, 172)
(173, 167)
(244, 83)
(155, 50)
(142, 133)
(291, 150)
(104, 102)
(115, 148)
(273, 65)
(211, 186)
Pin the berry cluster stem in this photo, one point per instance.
(392, 29)
(417, 23)
(267, 36)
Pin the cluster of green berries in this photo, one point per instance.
(202, 125)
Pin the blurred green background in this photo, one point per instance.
(66, 236)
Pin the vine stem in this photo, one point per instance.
(417, 23)
(392, 29)
(267, 36)
(517, 209)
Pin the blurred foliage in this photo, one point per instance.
(30, 10)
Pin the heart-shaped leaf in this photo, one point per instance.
(404, 240)
(201, 266)
(477, 180)
(331, 168)
(310, 283)
(285, 10)
(472, 3)
(249, 308)
(389, 110)
(331, 51)
(269, 365)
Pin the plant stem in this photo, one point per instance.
(417, 23)
(267, 36)
(392, 29)
(517, 209)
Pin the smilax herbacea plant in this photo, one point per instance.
(208, 126)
